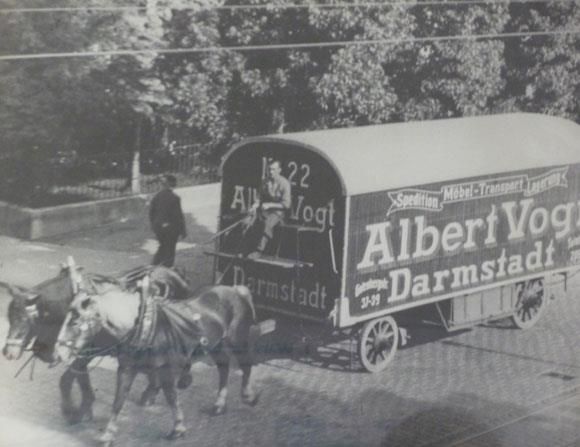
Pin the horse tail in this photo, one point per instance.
(253, 330)
(246, 295)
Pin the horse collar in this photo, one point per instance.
(144, 331)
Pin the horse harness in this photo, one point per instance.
(144, 332)
(143, 335)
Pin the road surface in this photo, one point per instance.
(489, 386)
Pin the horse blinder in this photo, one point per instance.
(31, 306)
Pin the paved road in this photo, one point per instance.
(490, 386)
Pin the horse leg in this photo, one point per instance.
(222, 361)
(88, 396)
(68, 410)
(170, 391)
(77, 371)
(244, 351)
(125, 378)
(148, 396)
(185, 378)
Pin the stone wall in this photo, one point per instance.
(27, 223)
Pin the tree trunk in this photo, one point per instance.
(279, 120)
(136, 172)
(136, 162)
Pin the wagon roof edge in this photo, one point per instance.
(448, 149)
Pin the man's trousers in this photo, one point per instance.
(166, 252)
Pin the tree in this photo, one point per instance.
(270, 90)
(86, 107)
(543, 73)
(358, 86)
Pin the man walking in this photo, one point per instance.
(167, 221)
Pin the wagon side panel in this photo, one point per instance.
(411, 246)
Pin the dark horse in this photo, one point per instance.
(40, 312)
(159, 337)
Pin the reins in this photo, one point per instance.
(224, 231)
(32, 359)
(229, 265)
(100, 353)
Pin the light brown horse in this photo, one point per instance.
(39, 313)
(159, 338)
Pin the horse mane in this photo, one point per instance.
(97, 277)
(173, 279)
(99, 282)
(61, 275)
(55, 290)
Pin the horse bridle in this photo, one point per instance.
(84, 325)
(77, 290)
(18, 342)
(32, 314)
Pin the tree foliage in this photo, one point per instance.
(88, 106)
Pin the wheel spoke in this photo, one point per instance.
(529, 303)
(382, 326)
(368, 351)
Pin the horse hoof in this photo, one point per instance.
(175, 434)
(184, 381)
(251, 402)
(147, 402)
(73, 418)
(218, 410)
(106, 439)
(87, 417)
(106, 443)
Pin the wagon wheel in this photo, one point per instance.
(530, 303)
(378, 343)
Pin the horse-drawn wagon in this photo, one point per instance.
(469, 216)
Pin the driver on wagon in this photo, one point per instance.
(273, 201)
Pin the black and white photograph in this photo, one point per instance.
(297, 223)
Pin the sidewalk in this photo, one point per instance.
(25, 263)
(106, 250)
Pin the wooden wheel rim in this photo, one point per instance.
(378, 343)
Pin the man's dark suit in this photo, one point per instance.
(168, 223)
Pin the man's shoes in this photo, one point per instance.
(254, 255)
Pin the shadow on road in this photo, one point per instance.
(308, 407)
(338, 351)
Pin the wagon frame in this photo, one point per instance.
(356, 215)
